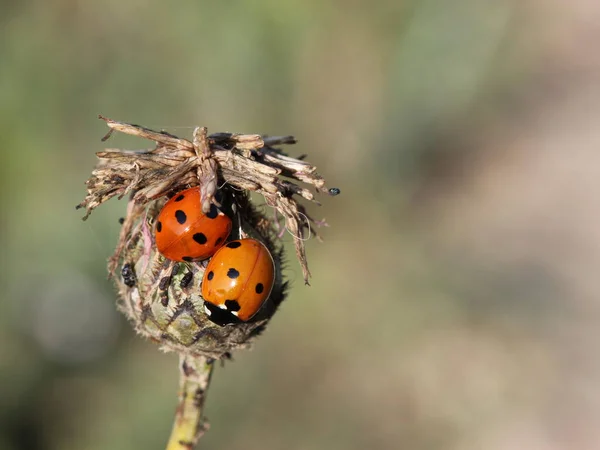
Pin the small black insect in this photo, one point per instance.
(334, 191)
(128, 274)
(164, 298)
(164, 283)
(186, 280)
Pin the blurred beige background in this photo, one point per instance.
(454, 302)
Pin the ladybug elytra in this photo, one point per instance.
(185, 233)
(237, 281)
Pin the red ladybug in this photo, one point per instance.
(184, 233)
(237, 281)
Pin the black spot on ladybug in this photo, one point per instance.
(234, 244)
(232, 273)
(213, 212)
(158, 226)
(128, 275)
(259, 288)
(179, 197)
(187, 258)
(180, 216)
(121, 220)
(186, 280)
(218, 241)
(232, 305)
(210, 275)
(164, 283)
(200, 238)
(220, 316)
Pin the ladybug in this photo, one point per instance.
(237, 281)
(184, 233)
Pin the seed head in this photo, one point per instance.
(161, 297)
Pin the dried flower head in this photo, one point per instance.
(161, 297)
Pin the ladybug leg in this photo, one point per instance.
(236, 210)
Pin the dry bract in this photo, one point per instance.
(247, 162)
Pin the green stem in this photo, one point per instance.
(195, 374)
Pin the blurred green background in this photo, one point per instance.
(453, 303)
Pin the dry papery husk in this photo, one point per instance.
(161, 297)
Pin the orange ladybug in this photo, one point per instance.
(184, 233)
(237, 281)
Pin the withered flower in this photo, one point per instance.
(162, 298)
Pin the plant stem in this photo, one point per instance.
(189, 425)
